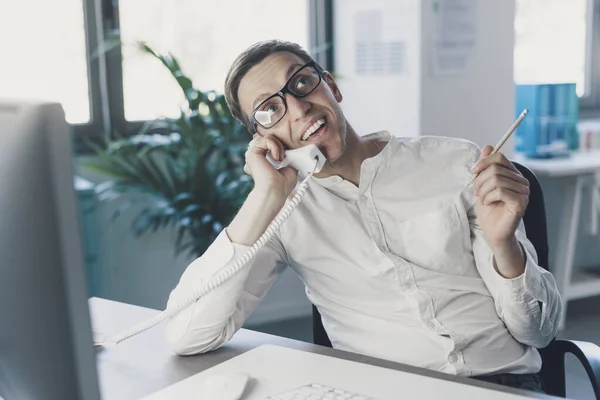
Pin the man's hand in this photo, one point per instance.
(502, 195)
(271, 188)
(266, 177)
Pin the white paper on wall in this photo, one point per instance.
(455, 32)
(380, 41)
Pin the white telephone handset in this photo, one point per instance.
(307, 160)
(302, 160)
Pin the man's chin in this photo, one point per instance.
(333, 159)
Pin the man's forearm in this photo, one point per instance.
(509, 259)
(254, 217)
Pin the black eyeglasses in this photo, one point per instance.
(302, 83)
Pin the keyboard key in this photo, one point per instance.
(316, 391)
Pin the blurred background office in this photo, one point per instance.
(462, 68)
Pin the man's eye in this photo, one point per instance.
(270, 107)
(302, 82)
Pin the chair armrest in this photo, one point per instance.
(587, 353)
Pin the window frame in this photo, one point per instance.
(105, 70)
(105, 73)
(589, 106)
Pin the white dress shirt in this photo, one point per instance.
(398, 268)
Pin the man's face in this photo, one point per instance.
(268, 77)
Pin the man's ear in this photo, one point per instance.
(333, 86)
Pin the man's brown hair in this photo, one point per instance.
(248, 59)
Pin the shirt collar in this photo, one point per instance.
(369, 165)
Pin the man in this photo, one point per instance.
(404, 259)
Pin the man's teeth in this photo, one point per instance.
(313, 128)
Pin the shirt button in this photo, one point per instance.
(453, 358)
(430, 324)
(336, 179)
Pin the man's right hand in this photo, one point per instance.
(266, 177)
(271, 189)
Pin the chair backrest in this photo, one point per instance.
(535, 226)
(537, 233)
(535, 217)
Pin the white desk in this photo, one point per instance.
(574, 174)
(144, 364)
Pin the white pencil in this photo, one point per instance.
(505, 138)
(509, 132)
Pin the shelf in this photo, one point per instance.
(584, 284)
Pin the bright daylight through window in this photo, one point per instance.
(44, 54)
(550, 42)
(205, 36)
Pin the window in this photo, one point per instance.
(205, 36)
(69, 51)
(44, 55)
(554, 42)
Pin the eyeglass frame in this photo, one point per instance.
(281, 93)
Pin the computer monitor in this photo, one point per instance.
(46, 349)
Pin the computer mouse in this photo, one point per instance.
(98, 338)
(101, 340)
(223, 386)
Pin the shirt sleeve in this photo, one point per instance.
(213, 319)
(529, 305)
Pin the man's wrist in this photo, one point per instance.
(509, 258)
(256, 214)
(268, 199)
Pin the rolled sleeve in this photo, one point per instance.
(529, 305)
(214, 318)
(531, 290)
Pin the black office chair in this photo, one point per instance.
(553, 355)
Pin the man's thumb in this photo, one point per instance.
(486, 151)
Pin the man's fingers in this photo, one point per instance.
(276, 148)
(485, 162)
(516, 200)
(486, 151)
(260, 145)
(496, 173)
(497, 182)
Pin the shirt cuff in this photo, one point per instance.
(237, 248)
(528, 283)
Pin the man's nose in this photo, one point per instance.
(297, 108)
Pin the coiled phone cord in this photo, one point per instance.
(222, 277)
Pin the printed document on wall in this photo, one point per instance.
(455, 26)
(381, 34)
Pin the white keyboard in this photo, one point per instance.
(315, 391)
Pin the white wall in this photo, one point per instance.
(379, 102)
(479, 105)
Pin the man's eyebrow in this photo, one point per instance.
(260, 98)
(292, 68)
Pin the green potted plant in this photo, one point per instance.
(184, 172)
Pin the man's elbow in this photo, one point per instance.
(538, 341)
(190, 343)
(188, 346)
(539, 338)
(548, 330)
